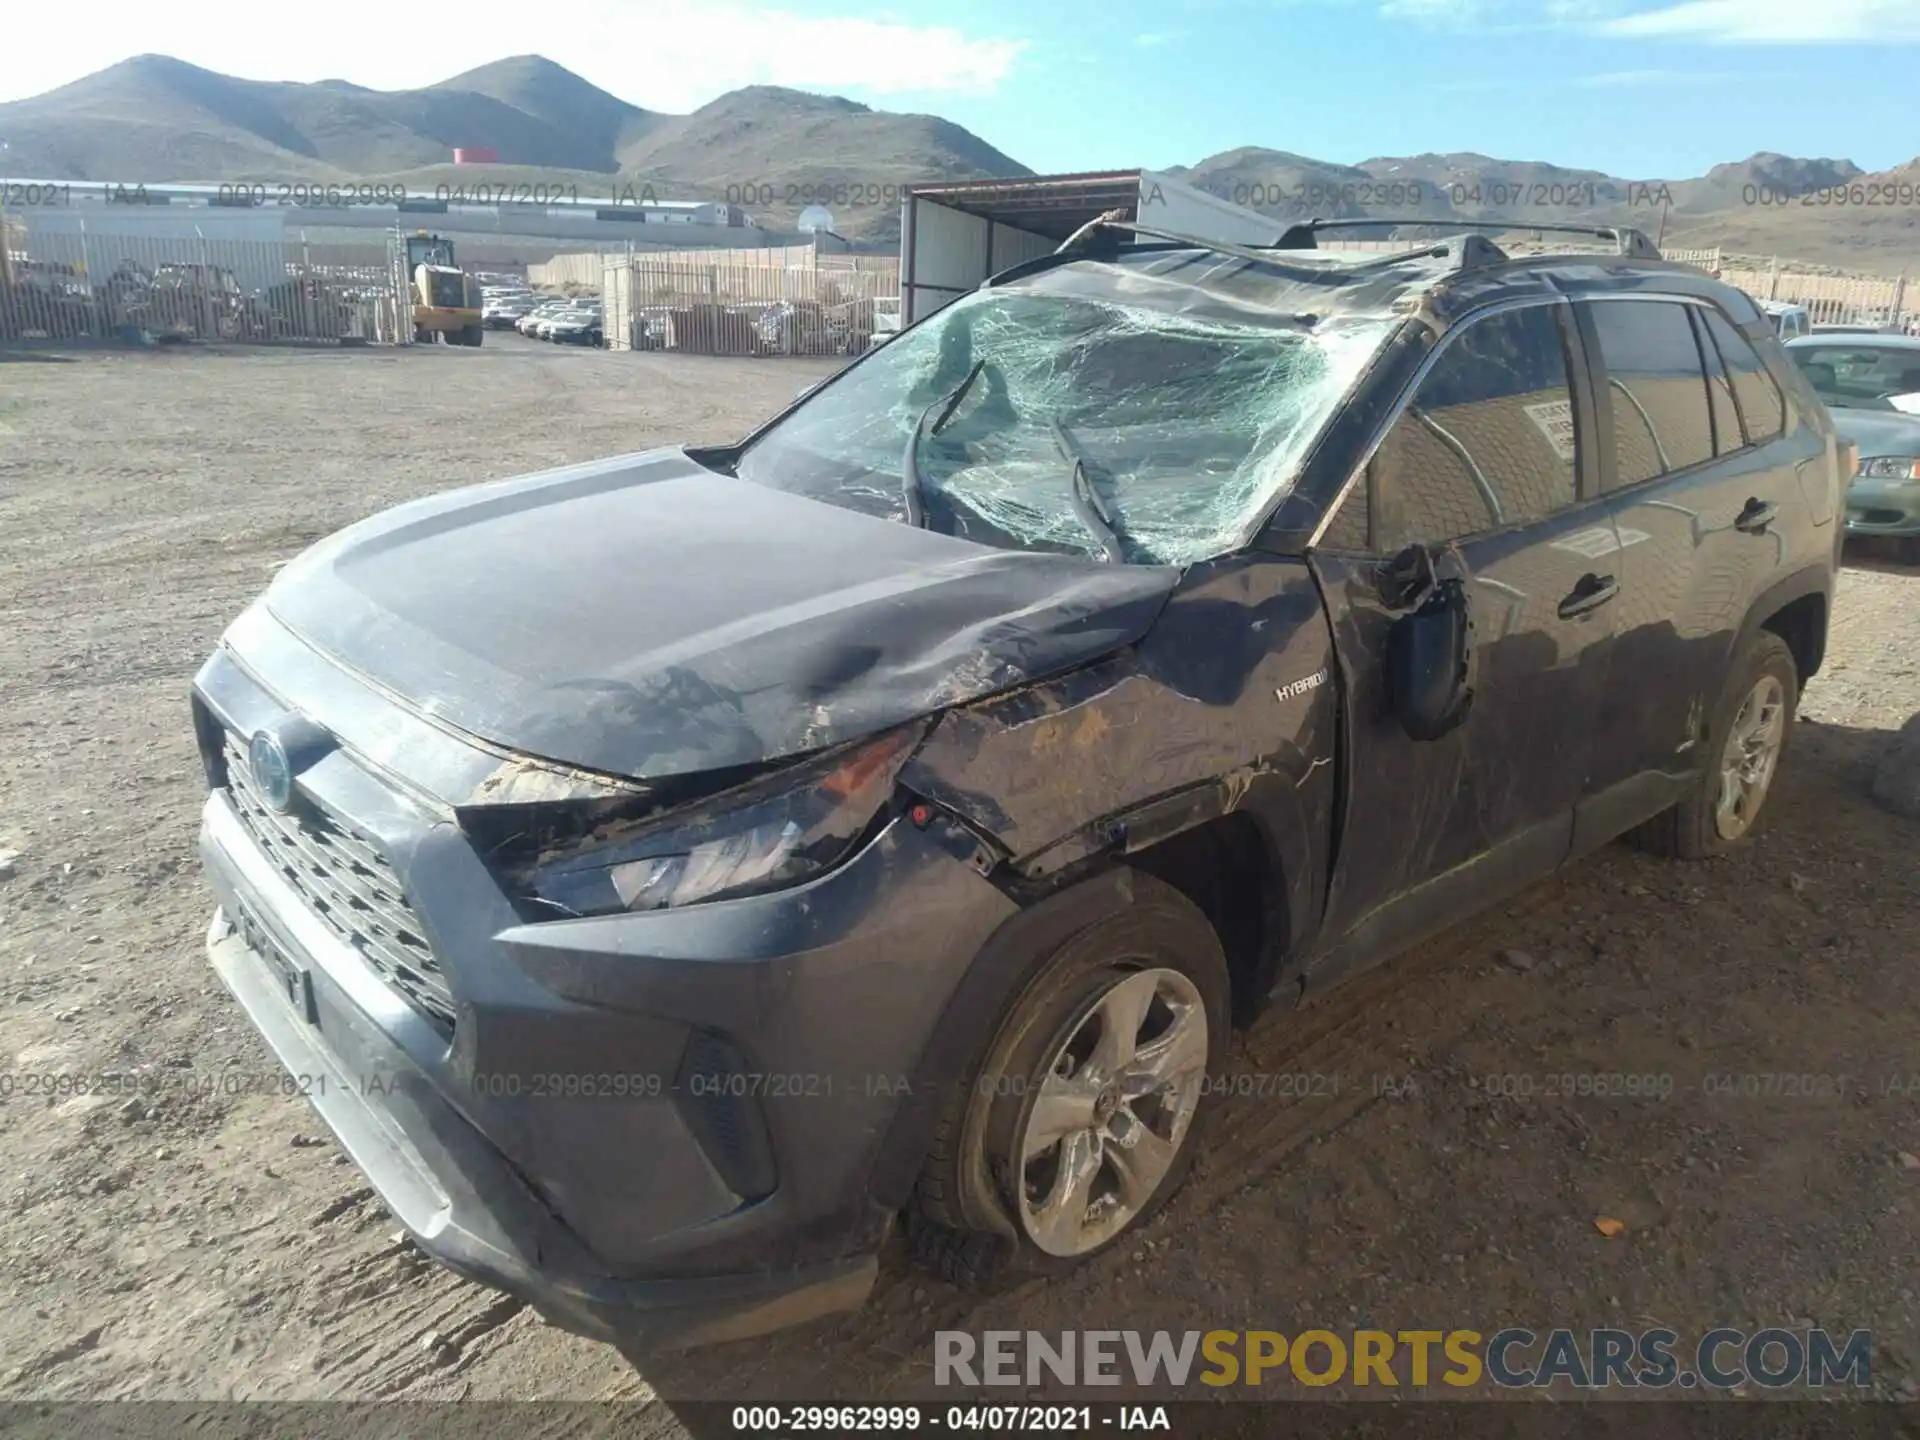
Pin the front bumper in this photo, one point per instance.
(558, 1139)
(464, 1205)
(1883, 507)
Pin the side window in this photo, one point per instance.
(1727, 435)
(1488, 440)
(1762, 407)
(1349, 528)
(1662, 419)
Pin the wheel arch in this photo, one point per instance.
(1796, 608)
(1802, 623)
(999, 971)
(1229, 867)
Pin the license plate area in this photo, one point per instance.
(294, 979)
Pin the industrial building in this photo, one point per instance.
(955, 235)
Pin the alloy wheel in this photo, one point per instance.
(1750, 756)
(1115, 1102)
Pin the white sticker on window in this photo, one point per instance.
(1555, 419)
(1593, 542)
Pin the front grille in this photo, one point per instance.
(350, 885)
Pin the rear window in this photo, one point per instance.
(1728, 434)
(1657, 385)
(1763, 411)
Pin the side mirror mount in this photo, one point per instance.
(1429, 661)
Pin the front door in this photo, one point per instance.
(1484, 470)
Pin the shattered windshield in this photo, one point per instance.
(1117, 426)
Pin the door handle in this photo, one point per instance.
(1754, 519)
(1590, 594)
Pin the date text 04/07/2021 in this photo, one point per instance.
(855, 1419)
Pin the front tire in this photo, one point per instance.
(1752, 723)
(1079, 1119)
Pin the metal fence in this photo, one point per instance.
(1829, 299)
(79, 287)
(730, 306)
(583, 269)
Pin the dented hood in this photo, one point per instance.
(646, 617)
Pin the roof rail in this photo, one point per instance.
(1626, 239)
(1090, 232)
(1467, 250)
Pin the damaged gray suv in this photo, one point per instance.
(667, 873)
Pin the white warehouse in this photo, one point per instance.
(953, 236)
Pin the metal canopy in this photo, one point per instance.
(1053, 206)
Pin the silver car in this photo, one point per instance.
(1871, 384)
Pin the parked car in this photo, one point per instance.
(1789, 321)
(1871, 383)
(503, 314)
(573, 315)
(529, 323)
(580, 327)
(720, 853)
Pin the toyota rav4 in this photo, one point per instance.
(669, 872)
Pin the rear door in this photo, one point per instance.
(1690, 433)
(1485, 465)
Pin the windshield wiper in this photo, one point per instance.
(1087, 506)
(911, 488)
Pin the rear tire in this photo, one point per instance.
(1080, 1117)
(475, 335)
(1752, 723)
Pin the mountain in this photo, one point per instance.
(1821, 210)
(607, 128)
(757, 135)
(156, 118)
(774, 150)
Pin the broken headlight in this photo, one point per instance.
(762, 837)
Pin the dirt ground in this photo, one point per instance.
(206, 1245)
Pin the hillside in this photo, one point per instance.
(155, 118)
(1765, 204)
(607, 129)
(774, 150)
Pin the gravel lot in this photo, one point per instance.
(212, 1244)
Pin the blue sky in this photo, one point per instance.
(1640, 88)
(1636, 89)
